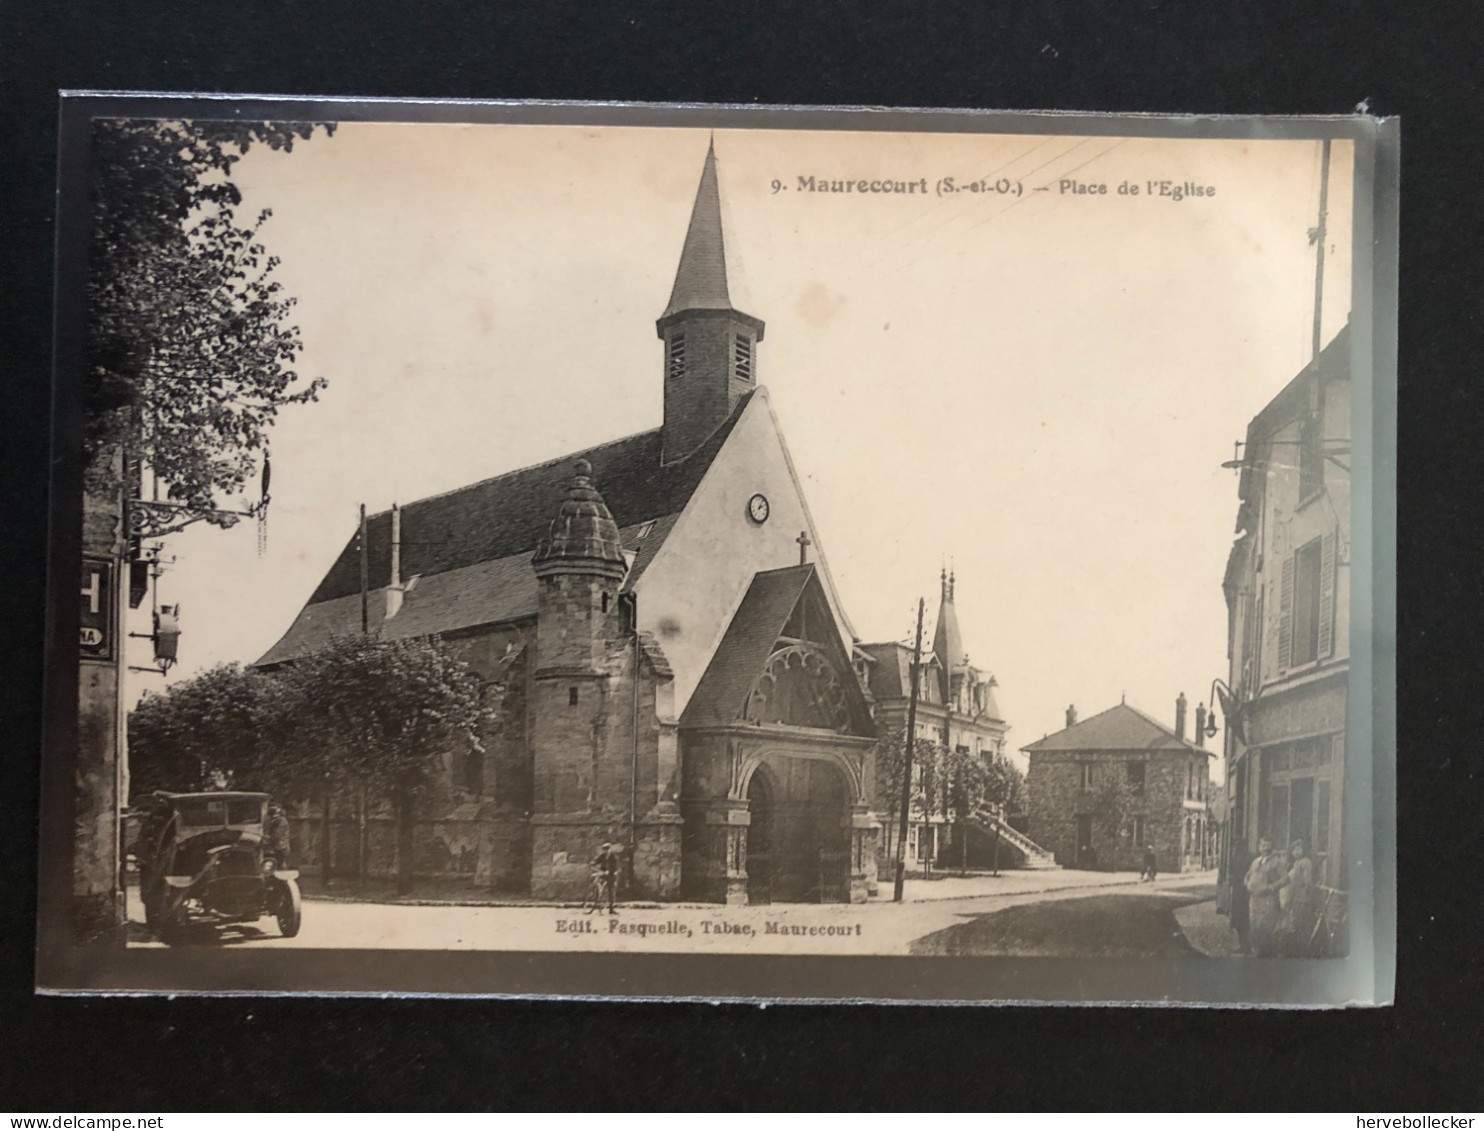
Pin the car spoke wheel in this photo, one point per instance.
(290, 909)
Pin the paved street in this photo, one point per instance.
(951, 915)
(1124, 924)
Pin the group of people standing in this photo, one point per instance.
(1273, 910)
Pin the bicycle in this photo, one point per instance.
(1327, 939)
(601, 890)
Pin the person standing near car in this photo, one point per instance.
(276, 834)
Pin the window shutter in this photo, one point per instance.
(1327, 596)
(1285, 617)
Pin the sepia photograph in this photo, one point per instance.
(652, 541)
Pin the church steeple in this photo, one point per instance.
(701, 280)
(710, 358)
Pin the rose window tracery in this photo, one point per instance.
(799, 687)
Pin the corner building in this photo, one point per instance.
(1287, 587)
(672, 665)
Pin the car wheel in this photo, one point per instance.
(172, 925)
(290, 910)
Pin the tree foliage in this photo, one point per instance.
(226, 720)
(190, 347)
(1004, 782)
(389, 715)
(965, 781)
(891, 753)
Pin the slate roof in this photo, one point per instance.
(510, 514)
(1118, 728)
(948, 640)
(701, 280)
(891, 677)
(749, 640)
(470, 549)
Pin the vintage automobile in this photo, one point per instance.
(214, 859)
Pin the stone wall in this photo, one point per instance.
(501, 656)
(1057, 800)
(491, 851)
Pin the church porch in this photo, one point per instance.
(791, 826)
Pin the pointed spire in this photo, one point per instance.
(701, 280)
(948, 643)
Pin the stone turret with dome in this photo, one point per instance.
(583, 535)
(579, 567)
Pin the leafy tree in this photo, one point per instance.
(390, 714)
(190, 351)
(1004, 787)
(223, 722)
(965, 783)
(890, 762)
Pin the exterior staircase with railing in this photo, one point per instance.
(989, 822)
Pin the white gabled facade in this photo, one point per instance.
(688, 595)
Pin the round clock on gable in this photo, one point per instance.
(757, 508)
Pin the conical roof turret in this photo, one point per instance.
(583, 536)
(948, 641)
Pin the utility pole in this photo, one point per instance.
(909, 741)
(365, 579)
(1320, 237)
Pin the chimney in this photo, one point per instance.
(1200, 724)
(1071, 715)
(394, 591)
(1180, 717)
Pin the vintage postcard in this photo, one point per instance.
(684, 552)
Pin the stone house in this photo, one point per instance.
(1104, 788)
(673, 671)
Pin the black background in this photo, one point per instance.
(1418, 61)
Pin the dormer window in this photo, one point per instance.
(675, 358)
(742, 355)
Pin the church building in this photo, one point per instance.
(659, 624)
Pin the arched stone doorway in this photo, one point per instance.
(762, 796)
(798, 834)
